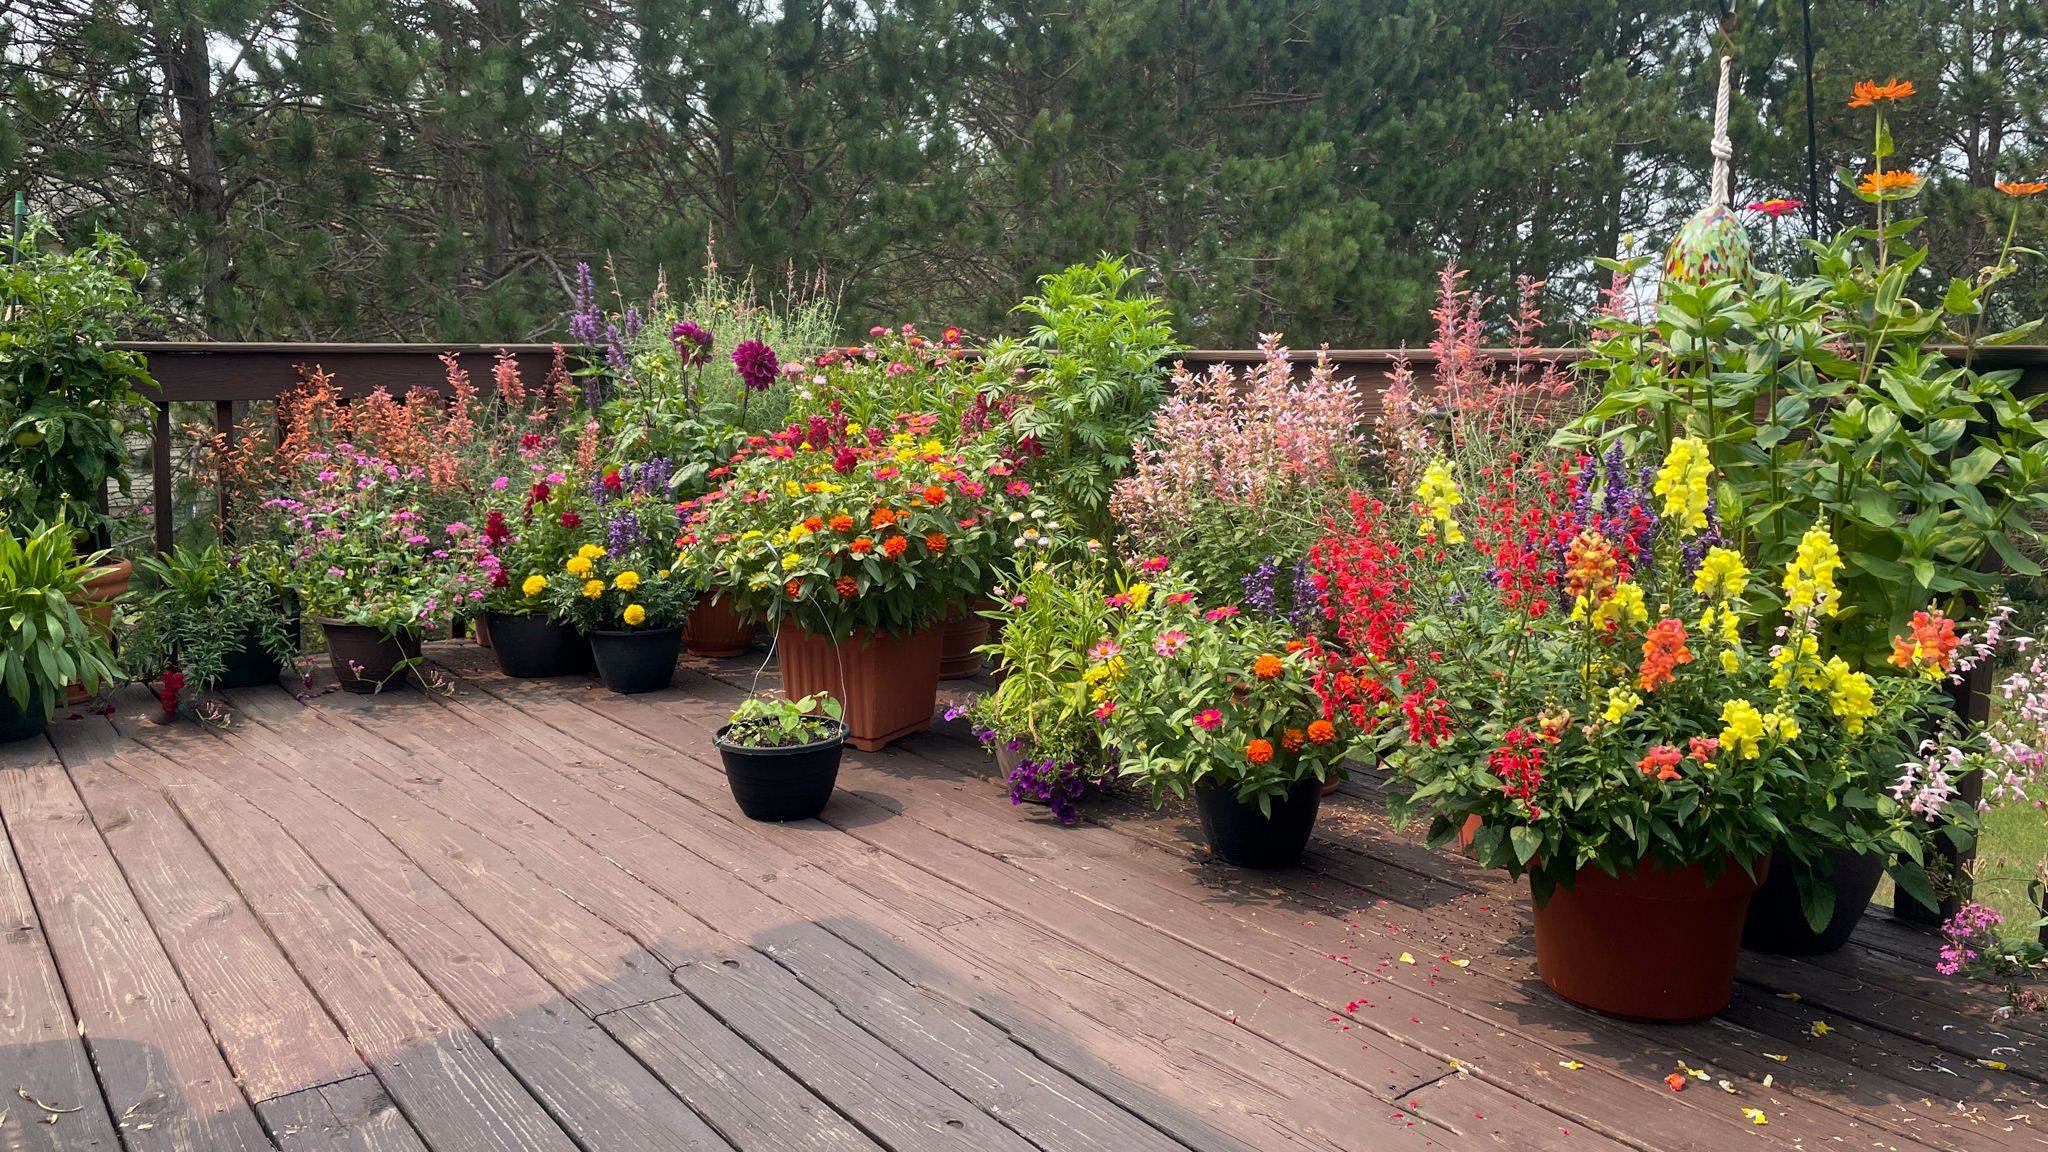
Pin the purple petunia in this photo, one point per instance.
(757, 365)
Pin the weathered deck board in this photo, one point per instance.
(162, 1077)
(40, 1050)
(528, 915)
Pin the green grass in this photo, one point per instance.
(2010, 853)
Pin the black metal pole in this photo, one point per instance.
(1812, 132)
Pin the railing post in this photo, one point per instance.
(163, 497)
(224, 429)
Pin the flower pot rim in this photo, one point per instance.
(718, 740)
(337, 622)
(635, 631)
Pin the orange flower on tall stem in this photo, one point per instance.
(1870, 92)
(2022, 187)
(1877, 183)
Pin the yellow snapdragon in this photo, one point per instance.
(1435, 497)
(1682, 482)
(1810, 578)
(1742, 728)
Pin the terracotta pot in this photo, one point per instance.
(534, 646)
(1468, 831)
(96, 604)
(365, 659)
(965, 632)
(716, 628)
(480, 627)
(887, 686)
(1240, 834)
(1777, 922)
(639, 661)
(1656, 945)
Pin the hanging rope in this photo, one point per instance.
(1723, 150)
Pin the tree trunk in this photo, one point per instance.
(188, 89)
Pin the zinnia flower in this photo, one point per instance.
(934, 494)
(936, 542)
(756, 364)
(842, 523)
(1878, 183)
(1321, 732)
(1208, 719)
(1268, 666)
(1869, 92)
(1292, 739)
(1777, 208)
(1259, 751)
(894, 546)
(846, 586)
(2022, 187)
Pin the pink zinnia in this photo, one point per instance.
(1106, 650)
(1107, 710)
(1214, 615)
(1168, 643)
(1208, 719)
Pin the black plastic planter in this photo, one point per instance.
(1239, 834)
(777, 784)
(1777, 923)
(367, 660)
(632, 662)
(18, 723)
(248, 665)
(530, 647)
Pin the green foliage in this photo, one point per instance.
(49, 643)
(632, 592)
(1093, 372)
(68, 399)
(196, 608)
(763, 722)
(1050, 617)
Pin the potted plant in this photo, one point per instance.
(69, 399)
(1606, 712)
(854, 542)
(631, 610)
(1040, 721)
(782, 756)
(525, 545)
(1209, 701)
(218, 621)
(48, 643)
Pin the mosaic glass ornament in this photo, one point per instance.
(1712, 245)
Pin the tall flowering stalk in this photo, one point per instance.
(1239, 469)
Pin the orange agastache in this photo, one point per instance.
(1870, 93)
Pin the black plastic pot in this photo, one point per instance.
(777, 784)
(1239, 834)
(366, 659)
(633, 662)
(249, 664)
(1777, 924)
(530, 646)
(18, 723)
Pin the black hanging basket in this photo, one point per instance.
(777, 784)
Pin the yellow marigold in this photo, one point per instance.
(1722, 575)
(579, 567)
(592, 589)
(635, 615)
(1810, 578)
(1742, 727)
(534, 585)
(1682, 482)
(627, 580)
(1435, 497)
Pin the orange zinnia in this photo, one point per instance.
(1267, 666)
(862, 546)
(2023, 187)
(1876, 182)
(894, 546)
(1870, 92)
(1321, 732)
(795, 588)
(934, 495)
(1259, 751)
(936, 542)
(842, 523)
(1292, 739)
(846, 586)
(882, 518)
(813, 523)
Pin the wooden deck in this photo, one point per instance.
(528, 916)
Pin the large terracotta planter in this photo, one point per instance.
(1777, 922)
(887, 686)
(366, 659)
(1656, 945)
(716, 628)
(96, 604)
(1240, 834)
(963, 633)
